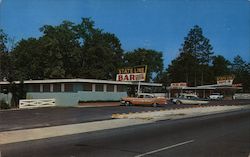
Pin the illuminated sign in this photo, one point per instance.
(137, 73)
(237, 85)
(137, 69)
(130, 77)
(225, 80)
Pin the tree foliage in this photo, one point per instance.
(101, 53)
(241, 70)
(61, 49)
(6, 66)
(67, 51)
(220, 66)
(151, 58)
(191, 65)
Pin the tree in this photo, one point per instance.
(101, 52)
(61, 47)
(29, 59)
(220, 66)
(184, 68)
(199, 45)
(3, 41)
(240, 69)
(4, 57)
(151, 58)
(192, 65)
(68, 51)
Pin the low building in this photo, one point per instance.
(204, 91)
(69, 92)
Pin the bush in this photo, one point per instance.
(4, 105)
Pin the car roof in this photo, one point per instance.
(188, 94)
(145, 94)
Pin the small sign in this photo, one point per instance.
(179, 84)
(237, 85)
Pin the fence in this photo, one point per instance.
(34, 103)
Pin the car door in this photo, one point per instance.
(148, 99)
(139, 100)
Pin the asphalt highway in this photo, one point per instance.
(220, 135)
(43, 117)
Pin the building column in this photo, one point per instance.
(115, 88)
(105, 87)
(93, 87)
(62, 87)
(41, 87)
(51, 87)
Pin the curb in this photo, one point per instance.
(126, 115)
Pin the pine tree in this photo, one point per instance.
(195, 56)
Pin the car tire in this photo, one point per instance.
(178, 102)
(127, 103)
(155, 104)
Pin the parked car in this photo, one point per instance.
(216, 96)
(144, 99)
(185, 98)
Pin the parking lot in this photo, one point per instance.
(42, 117)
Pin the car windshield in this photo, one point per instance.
(148, 96)
(140, 96)
(215, 94)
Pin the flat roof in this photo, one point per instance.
(83, 81)
(208, 87)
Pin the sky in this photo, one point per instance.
(152, 24)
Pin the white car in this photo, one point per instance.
(216, 96)
(189, 99)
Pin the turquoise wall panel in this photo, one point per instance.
(103, 96)
(77, 87)
(72, 98)
(6, 98)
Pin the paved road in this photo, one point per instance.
(221, 135)
(23, 119)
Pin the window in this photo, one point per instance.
(141, 96)
(46, 87)
(87, 87)
(149, 96)
(68, 87)
(121, 88)
(99, 87)
(35, 88)
(57, 87)
(110, 88)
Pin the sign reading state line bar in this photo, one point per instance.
(137, 73)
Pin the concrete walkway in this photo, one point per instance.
(180, 113)
(47, 132)
(129, 120)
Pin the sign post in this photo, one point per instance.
(138, 89)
